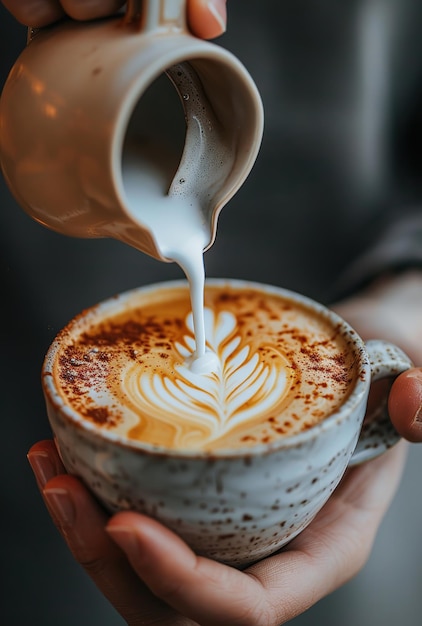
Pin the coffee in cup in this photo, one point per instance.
(279, 369)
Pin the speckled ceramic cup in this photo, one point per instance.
(234, 505)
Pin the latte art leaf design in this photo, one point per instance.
(203, 407)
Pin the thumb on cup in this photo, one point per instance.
(405, 405)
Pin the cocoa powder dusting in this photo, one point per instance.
(99, 415)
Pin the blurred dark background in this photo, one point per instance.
(341, 160)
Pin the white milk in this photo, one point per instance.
(176, 208)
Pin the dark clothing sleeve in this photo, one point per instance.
(398, 247)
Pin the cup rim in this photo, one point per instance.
(356, 396)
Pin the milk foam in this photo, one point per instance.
(214, 404)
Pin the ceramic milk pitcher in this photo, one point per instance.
(73, 122)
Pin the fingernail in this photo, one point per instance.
(125, 538)
(218, 9)
(61, 505)
(415, 373)
(418, 417)
(42, 467)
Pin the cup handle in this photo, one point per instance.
(157, 15)
(378, 433)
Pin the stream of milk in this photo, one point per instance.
(175, 208)
(181, 234)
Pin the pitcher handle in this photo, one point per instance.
(152, 16)
(157, 15)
